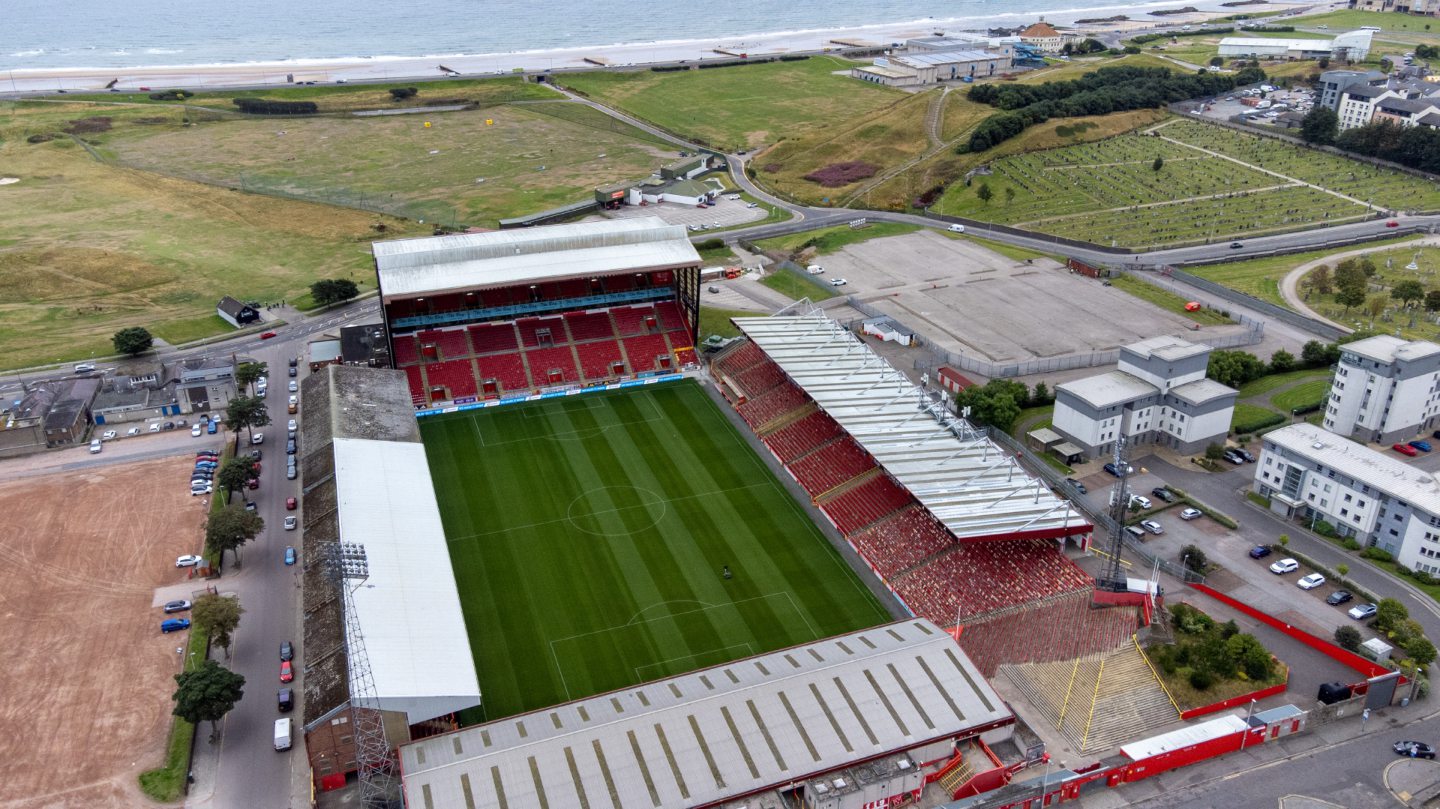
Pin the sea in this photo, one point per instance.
(41, 34)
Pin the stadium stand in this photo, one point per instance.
(831, 465)
(1061, 628)
(633, 320)
(902, 541)
(457, 376)
(670, 317)
(759, 378)
(802, 435)
(978, 578)
(451, 342)
(771, 405)
(533, 331)
(589, 326)
(745, 356)
(417, 385)
(490, 338)
(546, 363)
(643, 351)
(506, 369)
(597, 359)
(406, 351)
(866, 503)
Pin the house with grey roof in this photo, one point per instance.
(1158, 394)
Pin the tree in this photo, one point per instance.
(1041, 395)
(1343, 569)
(1408, 292)
(1216, 61)
(1350, 296)
(1432, 300)
(1214, 452)
(1319, 279)
(1349, 273)
(234, 474)
(219, 616)
(1316, 354)
(1158, 164)
(1281, 361)
(1389, 614)
(1234, 368)
(229, 529)
(1348, 637)
(1320, 125)
(402, 93)
(246, 373)
(997, 403)
(1194, 559)
(1376, 305)
(1009, 195)
(1249, 655)
(1386, 65)
(132, 340)
(246, 413)
(1283, 539)
(333, 290)
(984, 193)
(1324, 63)
(207, 693)
(1421, 650)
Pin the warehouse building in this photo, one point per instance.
(1309, 473)
(1351, 46)
(1385, 389)
(843, 723)
(1158, 394)
(930, 67)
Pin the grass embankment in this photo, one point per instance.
(349, 97)
(832, 240)
(1270, 382)
(1167, 300)
(1009, 251)
(644, 496)
(166, 783)
(738, 107)
(794, 287)
(456, 168)
(1261, 277)
(87, 249)
(717, 321)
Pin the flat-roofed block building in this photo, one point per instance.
(1385, 389)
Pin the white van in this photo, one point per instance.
(282, 734)
(957, 228)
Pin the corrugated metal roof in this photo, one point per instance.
(1184, 737)
(409, 608)
(409, 267)
(1266, 43)
(975, 488)
(716, 733)
(946, 57)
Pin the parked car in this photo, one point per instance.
(1246, 454)
(1260, 551)
(1079, 487)
(176, 606)
(255, 455)
(1136, 531)
(1362, 611)
(267, 335)
(293, 386)
(133, 431)
(258, 438)
(1234, 457)
(196, 431)
(294, 400)
(174, 625)
(291, 425)
(290, 523)
(1285, 566)
(289, 554)
(1115, 470)
(814, 269)
(188, 560)
(838, 282)
(212, 427)
(1339, 597)
(1414, 750)
(252, 484)
(252, 507)
(287, 652)
(1140, 500)
(1423, 446)
(1191, 514)
(290, 447)
(1163, 493)
(1310, 582)
(290, 473)
(108, 435)
(1405, 449)
(1152, 526)
(292, 371)
(287, 672)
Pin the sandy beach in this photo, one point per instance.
(430, 67)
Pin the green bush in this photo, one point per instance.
(1350, 544)
(1378, 554)
(1257, 424)
(1201, 680)
(1348, 637)
(710, 244)
(1325, 529)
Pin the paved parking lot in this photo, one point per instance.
(726, 213)
(970, 300)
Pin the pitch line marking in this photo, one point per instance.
(658, 663)
(707, 605)
(671, 615)
(666, 502)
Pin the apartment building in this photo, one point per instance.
(1384, 389)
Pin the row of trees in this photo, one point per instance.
(1236, 368)
(209, 691)
(1107, 90)
(1211, 651)
(998, 402)
(1417, 147)
(333, 290)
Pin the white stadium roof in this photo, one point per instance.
(973, 486)
(409, 607)
(716, 733)
(429, 265)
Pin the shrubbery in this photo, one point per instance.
(838, 174)
(1259, 423)
(1212, 652)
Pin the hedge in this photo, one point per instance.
(1218, 516)
(1330, 574)
(1255, 425)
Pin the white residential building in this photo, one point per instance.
(1159, 390)
(1379, 500)
(1357, 104)
(1385, 389)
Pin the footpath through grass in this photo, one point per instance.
(588, 536)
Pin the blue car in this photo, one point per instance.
(174, 625)
(289, 555)
(1423, 446)
(211, 428)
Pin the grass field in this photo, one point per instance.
(1270, 382)
(345, 97)
(834, 239)
(738, 107)
(1261, 276)
(1303, 395)
(87, 249)
(460, 168)
(794, 287)
(588, 535)
(1169, 301)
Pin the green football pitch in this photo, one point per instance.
(589, 533)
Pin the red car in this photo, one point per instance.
(1392, 224)
(286, 673)
(1405, 449)
(255, 467)
(267, 335)
(252, 484)
(290, 501)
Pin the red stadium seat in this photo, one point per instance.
(508, 370)
(799, 437)
(643, 351)
(552, 366)
(633, 320)
(831, 465)
(451, 342)
(598, 359)
(590, 326)
(458, 377)
(406, 350)
(534, 331)
(492, 337)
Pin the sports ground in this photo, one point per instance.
(589, 534)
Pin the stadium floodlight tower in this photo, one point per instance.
(379, 788)
(1113, 579)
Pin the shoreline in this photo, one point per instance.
(386, 68)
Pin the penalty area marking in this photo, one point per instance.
(749, 651)
(545, 413)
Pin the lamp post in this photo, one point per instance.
(1248, 714)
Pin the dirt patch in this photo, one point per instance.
(838, 174)
(79, 564)
(91, 125)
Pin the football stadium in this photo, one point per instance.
(778, 577)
